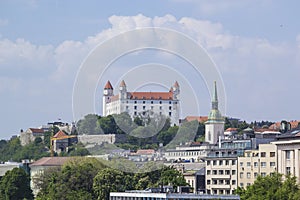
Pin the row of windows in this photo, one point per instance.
(255, 174)
(186, 153)
(144, 102)
(262, 154)
(221, 162)
(255, 164)
(220, 172)
(220, 182)
(219, 192)
(151, 107)
(144, 113)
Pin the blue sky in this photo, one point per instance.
(254, 43)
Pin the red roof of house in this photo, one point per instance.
(231, 129)
(60, 134)
(276, 126)
(108, 85)
(145, 151)
(198, 118)
(51, 161)
(36, 130)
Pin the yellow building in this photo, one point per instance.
(256, 162)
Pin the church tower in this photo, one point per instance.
(214, 127)
(122, 90)
(108, 92)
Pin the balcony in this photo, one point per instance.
(223, 186)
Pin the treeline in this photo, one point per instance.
(141, 133)
(88, 178)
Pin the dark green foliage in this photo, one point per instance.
(15, 185)
(271, 188)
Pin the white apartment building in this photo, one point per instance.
(261, 162)
(142, 104)
(186, 153)
(288, 150)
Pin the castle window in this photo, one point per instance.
(160, 107)
(152, 107)
(159, 102)
(170, 114)
(170, 102)
(144, 102)
(135, 107)
(135, 113)
(135, 101)
(144, 107)
(170, 107)
(151, 102)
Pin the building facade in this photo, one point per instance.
(142, 104)
(254, 163)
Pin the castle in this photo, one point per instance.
(142, 104)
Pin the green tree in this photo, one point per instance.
(15, 185)
(88, 125)
(271, 187)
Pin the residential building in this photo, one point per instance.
(214, 126)
(288, 153)
(30, 134)
(38, 167)
(196, 179)
(142, 104)
(221, 172)
(257, 162)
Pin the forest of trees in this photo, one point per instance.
(88, 178)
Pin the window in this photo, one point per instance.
(170, 102)
(248, 154)
(241, 164)
(288, 155)
(214, 162)
(255, 174)
(272, 164)
(248, 164)
(170, 107)
(135, 101)
(272, 154)
(160, 107)
(215, 182)
(263, 164)
(263, 154)
(159, 102)
(227, 172)
(233, 172)
(221, 162)
(135, 113)
(233, 162)
(227, 182)
(127, 107)
(214, 172)
(221, 172)
(144, 107)
(248, 175)
(208, 191)
(288, 170)
(208, 162)
(248, 184)
(208, 172)
(233, 182)
(242, 175)
(144, 102)
(221, 182)
(151, 102)
(255, 164)
(241, 184)
(215, 192)
(227, 191)
(135, 107)
(221, 192)
(263, 174)
(226, 162)
(170, 114)
(208, 182)
(152, 107)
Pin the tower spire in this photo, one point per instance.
(215, 97)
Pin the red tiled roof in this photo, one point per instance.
(108, 85)
(198, 118)
(114, 98)
(231, 129)
(151, 95)
(145, 151)
(276, 126)
(59, 134)
(51, 161)
(36, 130)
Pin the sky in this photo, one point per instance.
(255, 45)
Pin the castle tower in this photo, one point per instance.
(122, 90)
(214, 127)
(108, 92)
(176, 90)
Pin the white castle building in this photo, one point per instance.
(142, 104)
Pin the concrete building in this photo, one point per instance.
(288, 153)
(147, 195)
(214, 126)
(142, 104)
(28, 136)
(253, 163)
